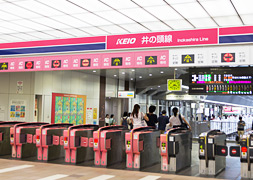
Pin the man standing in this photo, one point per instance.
(163, 120)
(240, 128)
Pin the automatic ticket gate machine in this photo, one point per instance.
(175, 149)
(142, 148)
(212, 152)
(109, 147)
(22, 139)
(78, 143)
(49, 141)
(5, 146)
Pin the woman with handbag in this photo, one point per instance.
(177, 120)
(137, 117)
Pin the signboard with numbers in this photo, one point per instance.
(220, 81)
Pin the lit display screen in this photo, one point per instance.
(220, 81)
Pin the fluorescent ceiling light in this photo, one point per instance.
(179, 1)
(8, 16)
(243, 6)
(38, 8)
(92, 5)
(139, 15)
(59, 34)
(115, 17)
(218, 8)
(63, 6)
(203, 22)
(164, 12)
(120, 4)
(228, 21)
(113, 29)
(76, 32)
(18, 11)
(134, 28)
(191, 10)
(157, 26)
(92, 19)
(146, 3)
(179, 24)
(71, 21)
(41, 35)
(94, 31)
(51, 23)
(30, 24)
(247, 19)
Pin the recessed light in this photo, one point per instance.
(132, 79)
(123, 72)
(161, 72)
(115, 75)
(140, 77)
(133, 70)
(158, 86)
(150, 74)
(151, 88)
(175, 68)
(94, 71)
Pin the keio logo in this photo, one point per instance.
(126, 41)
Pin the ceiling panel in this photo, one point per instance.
(48, 19)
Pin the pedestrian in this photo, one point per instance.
(107, 120)
(240, 128)
(177, 120)
(125, 120)
(163, 120)
(152, 117)
(130, 122)
(137, 117)
(112, 120)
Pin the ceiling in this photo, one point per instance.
(28, 20)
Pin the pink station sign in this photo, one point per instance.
(141, 59)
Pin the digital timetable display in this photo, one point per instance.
(220, 81)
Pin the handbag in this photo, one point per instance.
(183, 124)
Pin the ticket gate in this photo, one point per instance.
(5, 146)
(49, 141)
(142, 148)
(212, 152)
(109, 147)
(78, 143)
(175, 149)
(22, 139)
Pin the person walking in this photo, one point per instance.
(152, 117)
(137, 117)
(112, 120)
(107, 120)
(177, 120)
(125, 120)
(163, 120)
(240, 128)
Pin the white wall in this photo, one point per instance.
(69, 82)
(8, 92)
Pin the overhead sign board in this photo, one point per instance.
(174, 84)
(125, 94)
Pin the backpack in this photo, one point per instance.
(183, 124)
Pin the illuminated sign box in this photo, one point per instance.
(174, 84)
(126, 94)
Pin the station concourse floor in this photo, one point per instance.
(27, 170)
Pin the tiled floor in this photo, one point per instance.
(46, 170)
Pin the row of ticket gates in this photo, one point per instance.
(140, 148)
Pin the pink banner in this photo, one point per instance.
(141, 59)
(170, 38)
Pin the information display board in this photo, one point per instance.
(220, 81)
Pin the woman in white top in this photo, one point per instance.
(137, 117)
(107, 120)
(175, 120)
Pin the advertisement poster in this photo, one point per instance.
(68, 108)
(17, 110)
(89, 115)
(19, 87)
(95, 113)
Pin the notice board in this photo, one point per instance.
(68, 108)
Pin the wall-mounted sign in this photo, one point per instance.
(227, 57)
(4, 66)
(117, 61)
(125, 94)
(85, 63)
(17, 109)
(20, 87)
(150, 60)
(174, 84)
(189, 58)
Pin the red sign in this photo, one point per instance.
(223, 151)
(228, 57)
(159, 39)
(234, 151)
(244, 149)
